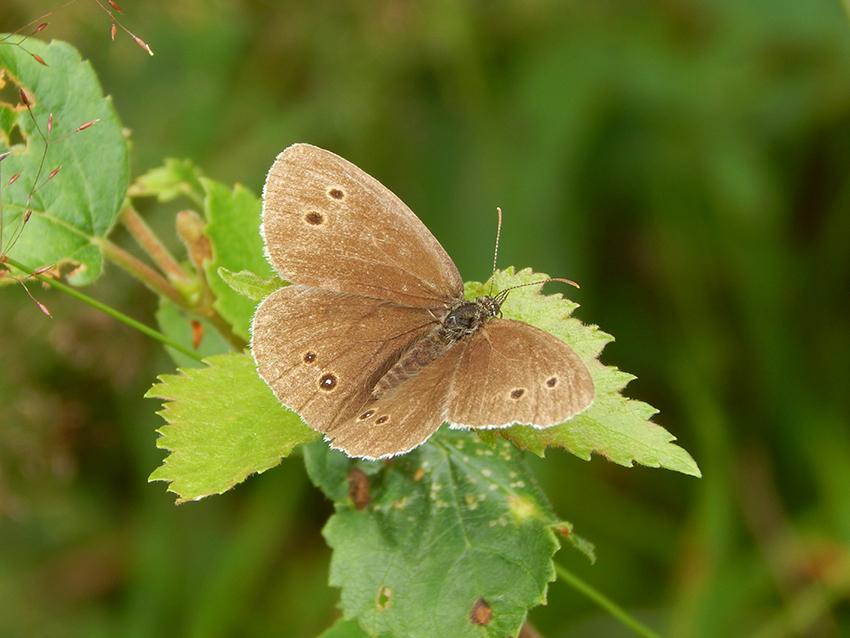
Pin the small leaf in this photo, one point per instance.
(250, 285)
(224, 424)
(613, 426)
(177, 178)
(452, 529)
(233, 226)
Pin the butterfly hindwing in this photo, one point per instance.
(318, 350)
(513, 373)
(404, 417)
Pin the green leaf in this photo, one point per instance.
(347, 629)
(452, 531)
(249, 285)
(234, 229)
(578, 542)
(75, 208)
(224, 424)
(176, 178)
(614, 426)
(177, 325)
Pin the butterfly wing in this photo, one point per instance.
(322, 352)
(329, 225)
(513, 373)
(404, 417)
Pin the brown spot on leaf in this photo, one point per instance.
(481, 613)
(358, 488)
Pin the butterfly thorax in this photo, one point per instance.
(467, 316)
(462, 320)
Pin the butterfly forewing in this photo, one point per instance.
(321, 352)
(514, 373)
(329, 225)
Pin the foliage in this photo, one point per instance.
(684, 161)
(449, 525)
(68, 215)
(224, 425)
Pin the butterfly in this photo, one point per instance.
(373, 343)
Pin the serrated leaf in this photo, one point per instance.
(578, 542)
(614, 426)
(176, 178)
(78, 205)
(249, 285)
(224, 424)
(347, 629)
(452, 533)
(234, 230)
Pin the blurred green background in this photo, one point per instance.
(686, 161)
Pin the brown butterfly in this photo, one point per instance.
(373, 343)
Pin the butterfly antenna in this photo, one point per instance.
(498, 235)
(503, 294)
(496, 251)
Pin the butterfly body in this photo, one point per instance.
(463, 320)
(374, 344)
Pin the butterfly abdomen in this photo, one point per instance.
(417, 357)
(464, 319)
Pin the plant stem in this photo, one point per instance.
(141, 271)
(148, 240)
(94, 303)
(224, 328)
(600, 599)
(158, 284)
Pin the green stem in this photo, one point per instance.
(94, 303)
(148, 240)
(157, 283)
(141, 271)
(161, 286)
(600, 599)
(225, 330)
